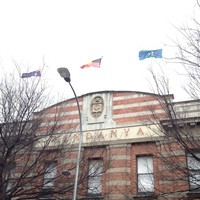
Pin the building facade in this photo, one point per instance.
(128, 149)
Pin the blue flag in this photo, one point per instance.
(34, 73)
(150, 54)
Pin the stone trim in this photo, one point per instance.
(122, 170)
(112, 183)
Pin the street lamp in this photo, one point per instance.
(64, 73)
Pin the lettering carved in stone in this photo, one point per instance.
(97, 106)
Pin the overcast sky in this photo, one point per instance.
(69, 33)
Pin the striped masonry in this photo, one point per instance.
(127, 108)
(136, 107)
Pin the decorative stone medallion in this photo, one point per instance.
(96, 106)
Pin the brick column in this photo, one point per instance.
(118, 176)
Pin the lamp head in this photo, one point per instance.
(64, 73)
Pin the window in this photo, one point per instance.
(50, 174)
(10, 176)
(145, 180)
(95, 177)
(194, 170)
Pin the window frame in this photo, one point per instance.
(49, 182)
(193, 153)
(10, 176)
(94, 176)
(146, 193)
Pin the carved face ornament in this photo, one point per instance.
(97, 106)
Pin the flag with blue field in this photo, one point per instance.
(143, 54)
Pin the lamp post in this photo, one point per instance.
(64, 73)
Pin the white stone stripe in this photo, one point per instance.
(115, 170)
(132, 105)
(59, 122)
(118, 182)
(120, 157)
(61, 114)
(130, 96)
(67, 104)
(116, 116)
